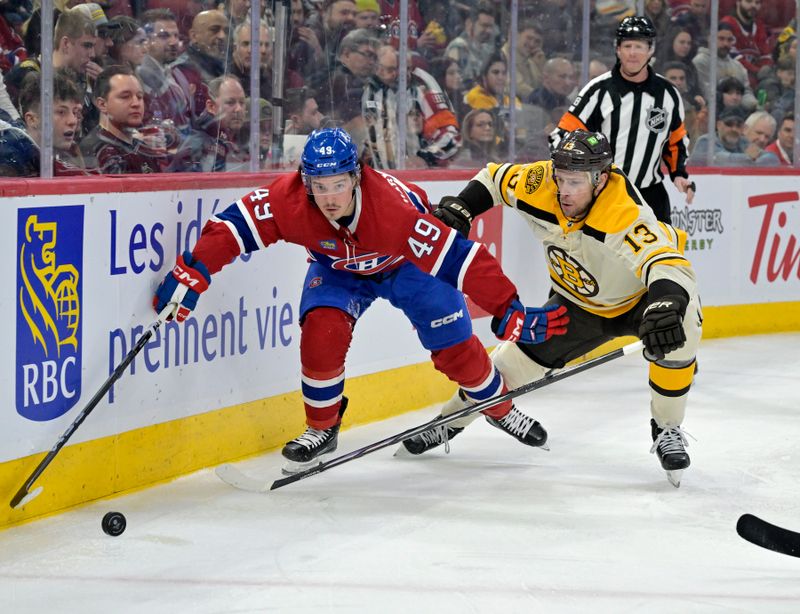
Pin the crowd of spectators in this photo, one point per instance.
(148, 86)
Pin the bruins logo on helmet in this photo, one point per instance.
(534, 179)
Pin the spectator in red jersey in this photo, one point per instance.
(168, 102)
(783, 146)
(115, 146)
(752, 46)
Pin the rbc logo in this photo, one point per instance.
(49, 298)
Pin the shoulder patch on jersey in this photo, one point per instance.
(534, 179)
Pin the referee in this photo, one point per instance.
(641, 114)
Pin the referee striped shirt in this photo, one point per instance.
(642, 121)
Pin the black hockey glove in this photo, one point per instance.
(453, 212)
(661, 329)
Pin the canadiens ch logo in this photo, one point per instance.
(365, 264)
(48, 314)
(656, 119)
(534, 179)
(571, 273)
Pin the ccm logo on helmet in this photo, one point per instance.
(448, 319)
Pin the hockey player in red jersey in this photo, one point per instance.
(370, 236)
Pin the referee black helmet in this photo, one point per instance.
(637, 27)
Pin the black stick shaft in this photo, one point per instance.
(117, 373)
(439, 421)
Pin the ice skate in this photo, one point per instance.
(670, 445)
(309, 449)
(428, 440)
(522, 427)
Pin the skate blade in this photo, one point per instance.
(674, 477)
(402, 452)
(544, 447)
(292, 467)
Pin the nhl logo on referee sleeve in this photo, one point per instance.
(656, 119)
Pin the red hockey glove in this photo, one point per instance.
(182, 286)
(530, 324)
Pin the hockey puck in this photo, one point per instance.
(114, 524)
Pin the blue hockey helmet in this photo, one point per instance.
(328, 151)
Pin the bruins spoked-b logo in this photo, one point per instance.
(571, 273)
(656, 119)
(49, 298)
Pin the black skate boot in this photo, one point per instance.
(670, 444)
(430, 439)
(522, 427)
(306, 451)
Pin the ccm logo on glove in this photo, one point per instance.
(182, 286)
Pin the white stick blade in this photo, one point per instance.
(232, 476)
(29, 497)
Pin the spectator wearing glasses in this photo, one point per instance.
(168, 101)
(341, 99)
(731, 147)
(479, 138)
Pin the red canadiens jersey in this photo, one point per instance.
(391, 224)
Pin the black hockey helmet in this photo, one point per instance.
(581, 150)
(637, 27)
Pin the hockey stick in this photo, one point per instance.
(25, 494)
(236, 478)
(762, 533)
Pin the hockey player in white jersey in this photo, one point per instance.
(612, 264)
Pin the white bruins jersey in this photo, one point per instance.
(605, 262)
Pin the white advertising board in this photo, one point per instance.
(79, 273)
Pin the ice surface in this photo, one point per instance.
(592, 526)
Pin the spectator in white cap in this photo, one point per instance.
(103, 41)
